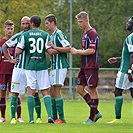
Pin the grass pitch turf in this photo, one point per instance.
(76, 112)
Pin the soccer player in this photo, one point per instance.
(124, 74)
(88, 74)
(35, 42)
(19, 82)
(59, 65)
(5, 68)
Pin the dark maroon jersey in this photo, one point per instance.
(5, 66)
(90, 39)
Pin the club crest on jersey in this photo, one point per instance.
(12, 86)
(78, 81)
(2, 87)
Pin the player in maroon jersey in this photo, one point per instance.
(88, 74)
(6, 70)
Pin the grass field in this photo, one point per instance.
(76, 112)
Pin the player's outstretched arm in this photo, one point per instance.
(114, 59)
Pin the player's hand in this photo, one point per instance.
(51, 44)
(130, 77)
(112, 60)
(14, 61)
(132, 67)
(73, 50)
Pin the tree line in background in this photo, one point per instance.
(108, 17)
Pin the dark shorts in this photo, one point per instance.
(88, 77)
(4, 81)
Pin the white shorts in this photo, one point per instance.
(57, 76)
(122, 81)
(38, 79)
(18, 84)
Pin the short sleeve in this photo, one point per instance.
(21, 43)
(46, 42)
(63, 40)
(129, 42)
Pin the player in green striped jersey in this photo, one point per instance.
(18, 77)
(34, 42)
(59, 65)
(122, 81)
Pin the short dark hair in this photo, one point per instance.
(51, 18)
(36, 20)
(132, 17)
(8, 22)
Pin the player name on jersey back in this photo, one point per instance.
(35, 34)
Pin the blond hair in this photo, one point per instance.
(82, 15)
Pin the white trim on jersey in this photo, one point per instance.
(46, 44)
(129, 43)
(11, 43)
(64, 43)
(21, 44)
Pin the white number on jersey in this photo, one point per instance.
(36, 45)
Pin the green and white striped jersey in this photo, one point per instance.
(12, 42)
(34, 42)
(59, 61)
(126, 51)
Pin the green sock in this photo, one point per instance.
(14, 104)
(54, 110)
(38, 106)
(59, 106)
(118, 106)
(47, 103)
(31, 105)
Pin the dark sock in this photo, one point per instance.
(93, 108)
(38, 106)
(31, 105)
(3, 106)
(118, 106)
(47, 103)
(87, 98)
(14, 104)
(19, 108)
(54, 110)
(60, 107)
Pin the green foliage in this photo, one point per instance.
(108, 17)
